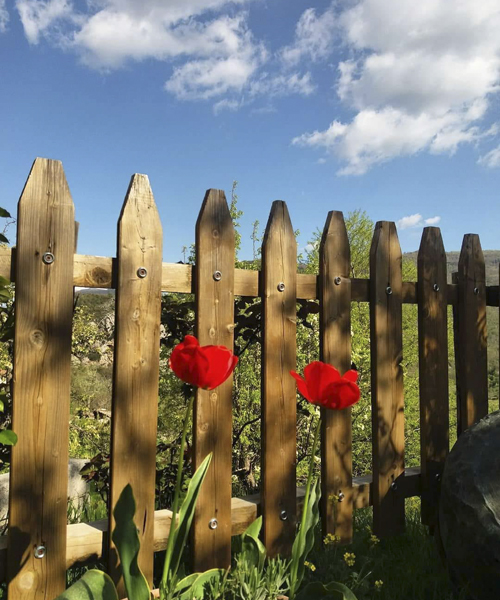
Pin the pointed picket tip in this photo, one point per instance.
(431, 246)
(471, 258)
(139, 197)
(279, 222)
(46, 184)
(335, 231)
(214, 214)
(385, 233)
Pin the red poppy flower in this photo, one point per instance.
(203, 366)
(323, 385)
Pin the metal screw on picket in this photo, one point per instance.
(394, 486)
(437, 477)
(436, 287)
(337, 280)
(142, 272)
(48, 258)
(40, 551)
(341, 496)
(281, 287)
(388, 290)
(283, 515)
(213, 523)
(217, 275)
(476, 291)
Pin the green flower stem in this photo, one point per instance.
(177, 493)
(295, 565)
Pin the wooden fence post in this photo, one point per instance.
(41, 385)
(136, 367)
(471, 359)
(212, 424)
(433, 367)
(335, 349)
(387, 380)
(279, 399)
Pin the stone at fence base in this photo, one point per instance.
(77, 488)
(469, 512)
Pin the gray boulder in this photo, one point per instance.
(469, 512)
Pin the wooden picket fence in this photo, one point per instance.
(40, 546)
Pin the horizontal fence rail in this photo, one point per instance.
(44, 267)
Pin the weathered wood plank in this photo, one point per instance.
(279, 402)
(88, 541)
(335, 349)
(136, 366)
(472, 358)
(387, 379)
(433, 367)
(41, 384)
(212, 423)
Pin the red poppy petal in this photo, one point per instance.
(188, 363)
(342, 394)
(221, 364)
(301, 386)
(351, 375)
(319, 377)
(190, 340)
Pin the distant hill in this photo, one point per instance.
(491, 261)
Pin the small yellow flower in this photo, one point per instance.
(309, 566)
(349, 559)
(378, 585)
(374, 540)
(331, 539)
(333, 498)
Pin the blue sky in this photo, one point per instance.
(390, 106)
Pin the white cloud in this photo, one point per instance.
(420, 77)
(4, 16)
(225, 104)
(279, 85)
(313, 37)
(491, 159)
(39, 16)
(416, 220)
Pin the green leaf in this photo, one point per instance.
(93, 585)
(5, 213)
(193, 586)
(3, 239)
(4, 282)
(186, 513)
(252, 549)
(8, 437)
(127, 542)
(304, 544)
(331, 591)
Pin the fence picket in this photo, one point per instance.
(41, 385)
(471, 350)
(335, 349)
(214, 281)
(279, 410)
(136, 366)
(433, 367)
(387, 379)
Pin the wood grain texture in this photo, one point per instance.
(335, 349)
(387, 380)
(212, 422)
(279, 401)
(433, 368)
(472, 335)
(41, 385)
(87, 542)
(136, 366)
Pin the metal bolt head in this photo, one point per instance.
(341, 496)
(388, 290)
(142, 272)
(476, 291)
(48, 258)
(281, 287)
(213, 523)
(283, 515)
(337, 280)
(394, 486)
(437, 477)
(217, 275)
(40, 551)
(435, 287)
